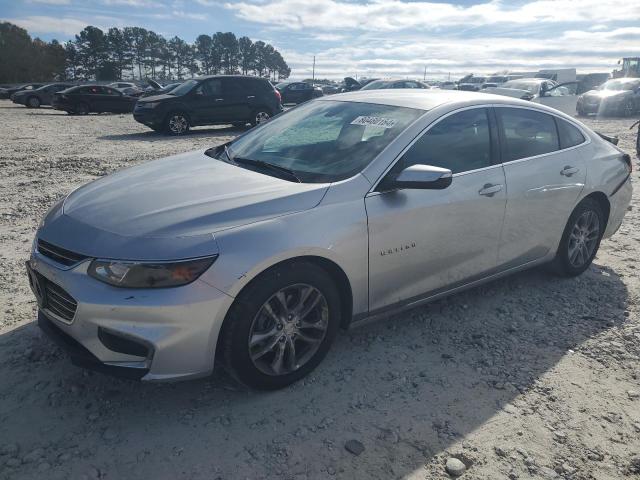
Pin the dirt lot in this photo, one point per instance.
(528, 377)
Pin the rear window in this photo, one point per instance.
(526, 133)
(570, 136)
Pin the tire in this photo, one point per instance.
(258, 315)
(82, 109)
(177, 123)
(259, 116)
(33, 102)
(574, 256)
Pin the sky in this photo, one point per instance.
(374, 38)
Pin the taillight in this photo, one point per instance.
(278, 96)
(627, 159)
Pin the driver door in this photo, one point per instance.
(431, 240)
(562, 97)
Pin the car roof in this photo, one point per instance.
(427, 99)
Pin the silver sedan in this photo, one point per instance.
(255, 253)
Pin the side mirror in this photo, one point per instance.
(420, 177)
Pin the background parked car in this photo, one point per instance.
(93, 98)
(620, 96)
(160, 89)
(471, 83)
(7, 92)
(298, 92)
(213, 100)
(398, 83)
(121, 85)
(561, 96)
(39, 96)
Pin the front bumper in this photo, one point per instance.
(151, 117)
(175, 330)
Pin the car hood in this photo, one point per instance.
(171, 208)
(602, 94)
(158, 98)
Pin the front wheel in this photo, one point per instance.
(580, 239)
(33, 102)
(177, 123)
(82, 109)
(628, 109)
(281, 326)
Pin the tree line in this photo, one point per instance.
(25, 59)
(133, 53)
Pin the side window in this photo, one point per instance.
(526, 133)
(94, 90)
(211, 88)
(570, 136)
(234, 86)
(460, 142)
(111, 91)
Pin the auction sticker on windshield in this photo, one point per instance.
(374, 121)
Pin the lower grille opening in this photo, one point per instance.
(117, 343)
(57, 300)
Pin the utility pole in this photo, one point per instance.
(313, 71)
(424, 77)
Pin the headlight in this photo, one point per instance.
(149, 274)
(150, 104)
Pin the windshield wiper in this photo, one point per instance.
(265, 165)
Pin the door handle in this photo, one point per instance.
(568, 170)
(219, 99)
(251, 96)
(489, 189)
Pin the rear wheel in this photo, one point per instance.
(581, 239)
(260, 116)
(177, 123)
(281, 326)
(33, 102)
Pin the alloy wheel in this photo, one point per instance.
(583, 238)
(288, 329)
(178, 124)
(262, 117)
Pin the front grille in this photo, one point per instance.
(60, 255)
(57, 300)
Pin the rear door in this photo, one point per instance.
(544, 179)
(429, 240)
(236, 97)
(115, 100)
(206, 102)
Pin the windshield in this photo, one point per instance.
(323, 141)
(619, 85)
(184, 88)
(530, 87)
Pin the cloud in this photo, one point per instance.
(393, 15)
(53, 25)
(131, 3)
(51, 2)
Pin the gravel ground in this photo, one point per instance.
(527, 377)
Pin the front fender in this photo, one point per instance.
(334, 231)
